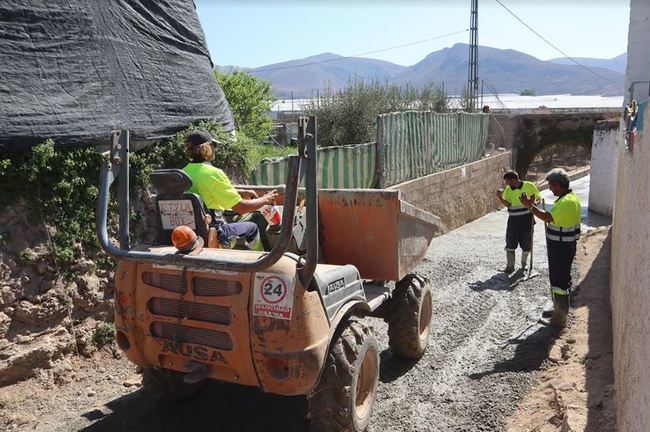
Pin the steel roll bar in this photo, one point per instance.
(116, 167)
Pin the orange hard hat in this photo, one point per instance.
(185, 239)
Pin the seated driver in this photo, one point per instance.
(218, 193)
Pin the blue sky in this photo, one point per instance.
(254, 33)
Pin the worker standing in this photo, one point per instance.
(520, 220)
(562, 233)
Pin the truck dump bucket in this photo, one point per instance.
(374, 230)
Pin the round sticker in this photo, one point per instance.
(273, 289)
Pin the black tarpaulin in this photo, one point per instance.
(74, 70)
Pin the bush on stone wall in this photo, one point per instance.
(59, 187)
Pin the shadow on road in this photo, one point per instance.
(532, 349)
(595, 294)
(391, 367)
(219, 407)
(499, 282)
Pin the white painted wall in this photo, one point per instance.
(604, 157)
(638, 49)
(630, 276)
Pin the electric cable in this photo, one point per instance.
(551, 44)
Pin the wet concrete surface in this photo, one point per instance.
(486, 347)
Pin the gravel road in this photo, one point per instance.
(485, 350)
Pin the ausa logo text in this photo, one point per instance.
(194, 351)
(335, 286)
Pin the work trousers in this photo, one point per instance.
(247, 227)
(247, 230)
(518, 232)
(560, 258)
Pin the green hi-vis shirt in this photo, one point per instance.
(513, 195)
(566, 211)
(213, 186)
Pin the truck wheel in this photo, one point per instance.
(345, 395)
(409, 317)
(169, 385)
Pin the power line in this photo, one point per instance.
(359, 55)
(551, 44)
(494, 92)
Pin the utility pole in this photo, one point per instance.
(472, 72)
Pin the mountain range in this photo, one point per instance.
(504, 71)
(618, 63)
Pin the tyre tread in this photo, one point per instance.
(403, 319)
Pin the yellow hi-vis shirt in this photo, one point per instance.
(566, 219)
(213, 186)
(513, 197)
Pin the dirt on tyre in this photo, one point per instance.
(409, 317)
(169, 385)
(344, 398)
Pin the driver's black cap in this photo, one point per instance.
(199, 137)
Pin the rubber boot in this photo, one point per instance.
(560, 309)
(256, 244)
(524, 259)
(510, 261)
(549, 306)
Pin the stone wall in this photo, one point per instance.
(604, 156)
(630, 276)
(458, 195)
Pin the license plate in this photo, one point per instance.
(175, 213)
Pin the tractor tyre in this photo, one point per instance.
(409, 317)
(344, 398)
(169, 385)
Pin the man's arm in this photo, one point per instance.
(248, 205)
(501, 199)
(541, 214)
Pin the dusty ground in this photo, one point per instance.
(486, 353)
(576, 393)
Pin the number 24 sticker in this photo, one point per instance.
(273, 295)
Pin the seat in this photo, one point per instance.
(175, 206)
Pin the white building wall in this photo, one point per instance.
(638, 50)
(604, 156)
(630, 276)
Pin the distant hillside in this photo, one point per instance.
(618, 63)
(317, 70)
(510, 71)
(507, 71)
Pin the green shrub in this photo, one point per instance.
(60, 186)
(348, 116)
(250, 99)
(260, 152)
(104, 334)
(26, 256)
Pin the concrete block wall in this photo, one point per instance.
(604, 156)
(630, 272)
(476, 182)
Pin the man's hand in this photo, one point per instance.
(270, 197)
(249, 205)
(527, 202)
(499, 193)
